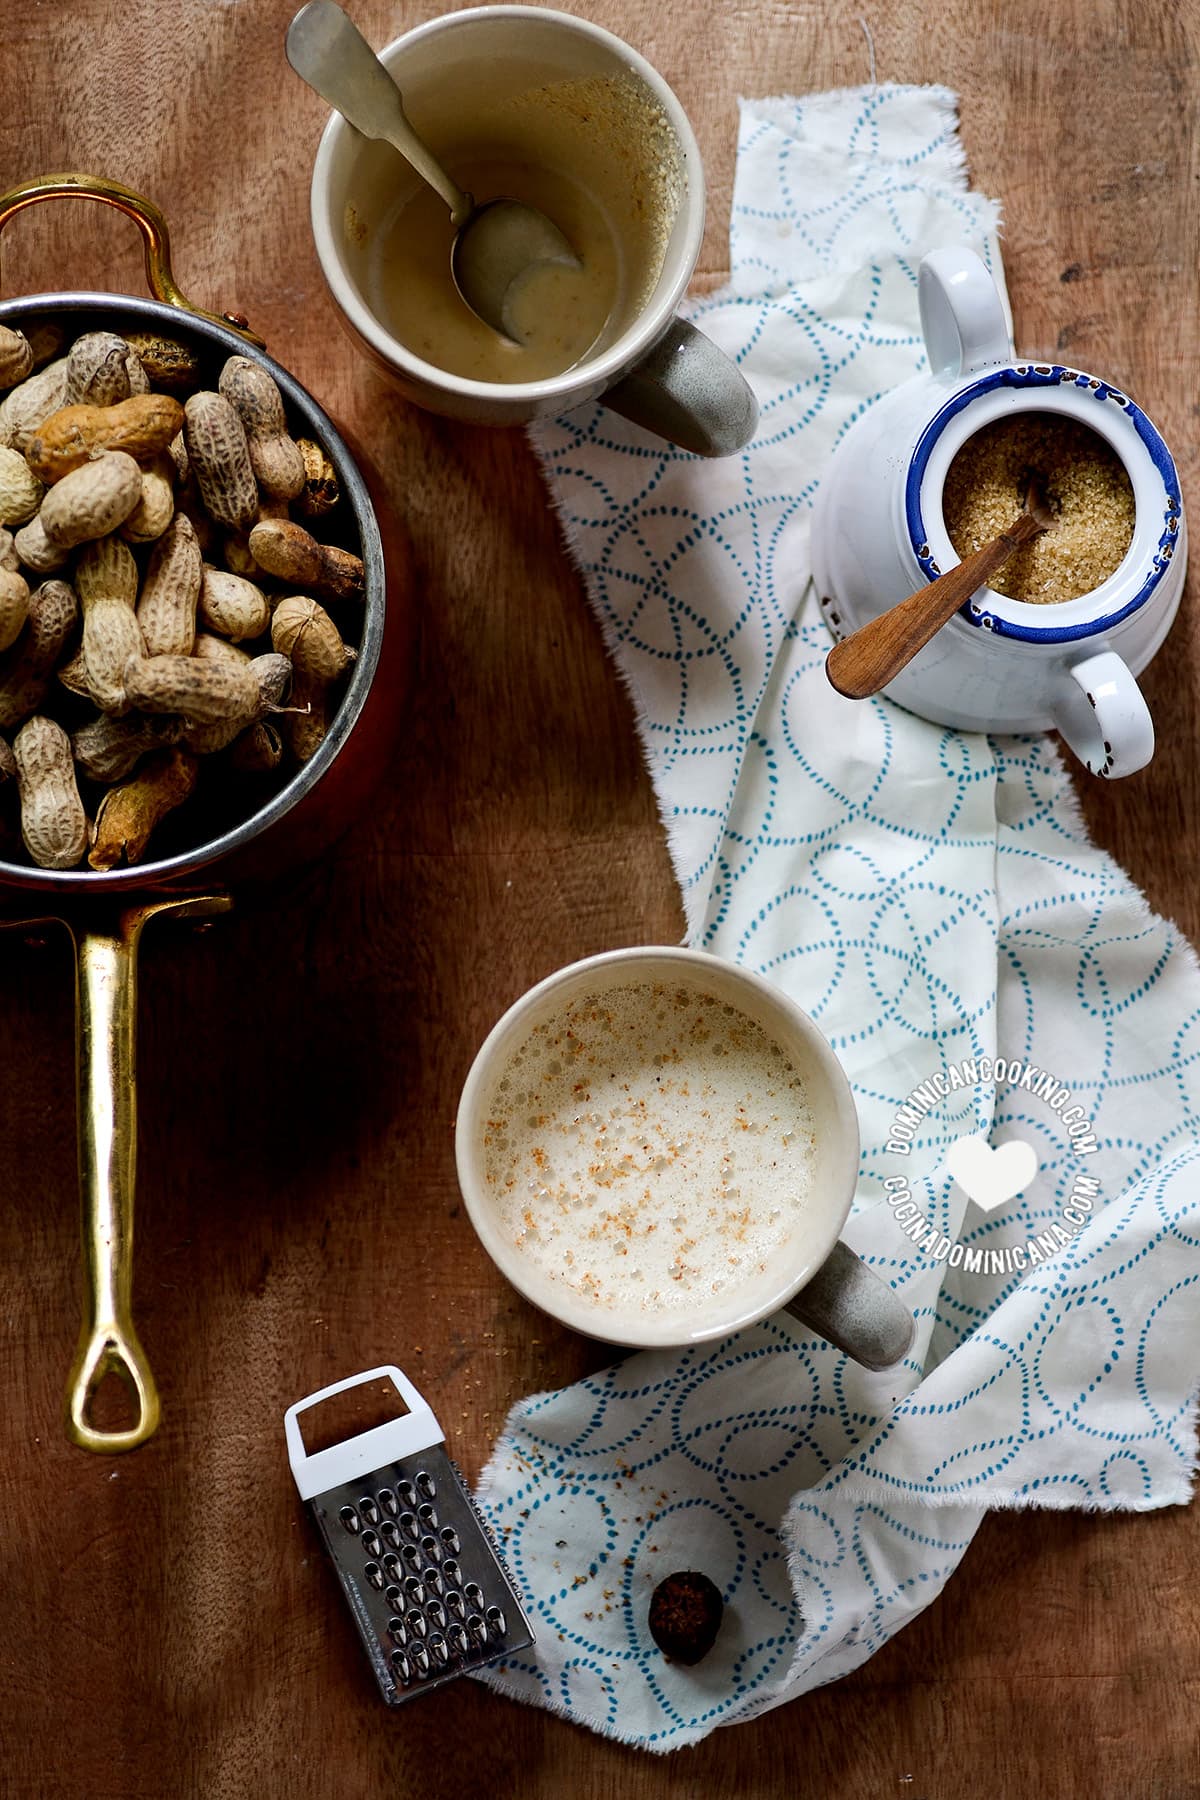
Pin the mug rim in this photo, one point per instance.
(641, 335)
(671, 1331)
(1078, 618)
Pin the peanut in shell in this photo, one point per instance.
(275, 457)
(106, 581)
(27, 405)
(20, 490)
(231, 605)
(128, 814)
(54, 826)
(166, 608)
(271, 675)
(168, 362)
(108, 749)
(36, 551)
(91, 502)
(100, 370)
(16, 356)
(27, 670)
(202, 692)
(321, 491)
(219, 458)
(156, 508)
(142, 426)
(302, 630)
(14, 607)
(286, 550)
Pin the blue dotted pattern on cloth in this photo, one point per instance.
(927, 895)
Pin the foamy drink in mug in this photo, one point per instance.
(658, 1148)
(542, 107)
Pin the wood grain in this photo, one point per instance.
(169, 1628)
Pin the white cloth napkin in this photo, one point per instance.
(930, 897)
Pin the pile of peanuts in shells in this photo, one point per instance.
(159, 606)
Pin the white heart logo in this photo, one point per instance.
(990, 1177)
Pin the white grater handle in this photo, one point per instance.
(417, 1430)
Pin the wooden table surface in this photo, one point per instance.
(168, 1628)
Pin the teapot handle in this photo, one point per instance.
(963, 317)
(1102, 715)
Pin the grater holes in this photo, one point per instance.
(389, 1531)
(398, 1630)
(458, 1639)
(451, 1571)
(426, 1484)
(392, 1569)
(374, 1574)
(409, 1526)
(407, 1493)
(401, 1665)
(435, 1612)
(411, 1555)
(496, 1620)
(420, 1660)
(350, 1520)
(439, 1649)
(371, 1544)
(415, 1620)
(431, 1549)
(450, 1538)
(387, 1501)
(477, 1627)
(473, 1593)
(427, 1516)
(415, 1590)
(368, 1509)
(394, 1597)
(432, 1579)
(455, 1603)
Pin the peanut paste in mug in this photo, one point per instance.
(597, 157)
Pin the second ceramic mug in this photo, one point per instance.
(811, 1274)
(660, 371)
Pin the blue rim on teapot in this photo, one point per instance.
(1135, 440)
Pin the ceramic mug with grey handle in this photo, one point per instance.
(659, 1148)
(562, 97)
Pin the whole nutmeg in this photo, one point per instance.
(685, 1615)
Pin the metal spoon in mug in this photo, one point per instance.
(875, 654)
(496, 243)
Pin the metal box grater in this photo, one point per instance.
(429, 1591)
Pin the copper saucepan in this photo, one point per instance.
(106, 912)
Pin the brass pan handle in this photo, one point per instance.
(106, 946)
(145, 215)
(105, 1059)
(106, 1079)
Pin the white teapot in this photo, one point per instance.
(878, 534)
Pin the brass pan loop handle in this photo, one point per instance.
(145, 215)
(111, 1351)
(106, 940)
(106, 997)
(106, 1065)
